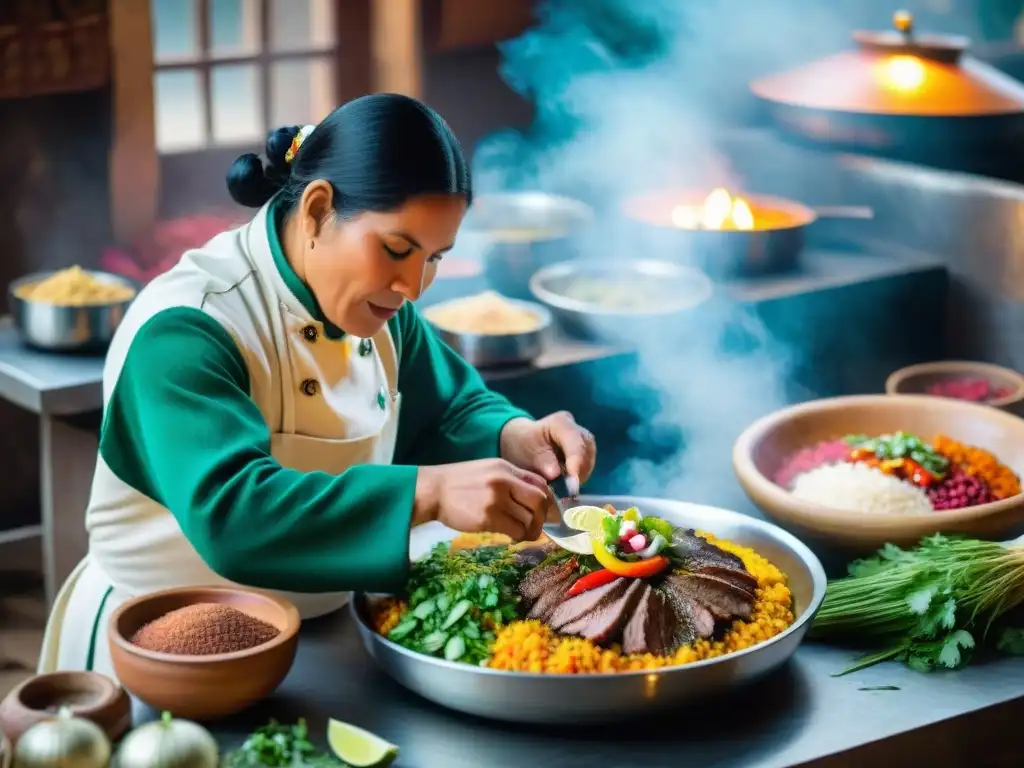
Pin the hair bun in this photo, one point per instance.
(248, 183)
(279, 141)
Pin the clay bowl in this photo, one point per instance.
(203, 687)
(88, 694)
(915, 380)
(763, 447)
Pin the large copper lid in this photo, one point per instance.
(898, 72)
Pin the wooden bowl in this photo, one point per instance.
(89, 695)
(915, 380)
(763, 447)
(203, 687)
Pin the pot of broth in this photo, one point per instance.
(525, 231)
(899, 92)
(729, 235)
(618, 300)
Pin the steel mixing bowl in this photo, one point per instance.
(86, 328)
(526, 231)
(663, 290)
(573, 699)
(491, 350)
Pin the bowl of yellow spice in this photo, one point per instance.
(70, 310)
(490, 330)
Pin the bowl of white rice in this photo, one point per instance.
(858, 506)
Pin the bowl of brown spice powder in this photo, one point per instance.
(203, 652)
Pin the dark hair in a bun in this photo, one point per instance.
(252, 184)
(376, 152)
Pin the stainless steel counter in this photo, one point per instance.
(798, 716)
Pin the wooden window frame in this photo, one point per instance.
(195, 171)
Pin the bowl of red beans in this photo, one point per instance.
(974, 382)
(866, 470)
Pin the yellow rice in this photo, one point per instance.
(530, 646)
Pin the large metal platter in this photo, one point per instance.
(537, 698)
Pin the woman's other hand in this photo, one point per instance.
(486, 496)
(550, 444)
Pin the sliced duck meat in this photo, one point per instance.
(741, 579)
(652, 627)
(724, 600)
(606, 621)
(534, 553)
(536, 582)
(587, 602)
(693, 620)
(553, 597)
(696, 551)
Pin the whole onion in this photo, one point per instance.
(65, 741)
(169, 743)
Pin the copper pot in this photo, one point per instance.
(899, 91)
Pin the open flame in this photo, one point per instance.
(720, 210)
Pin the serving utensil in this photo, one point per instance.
(560, 532)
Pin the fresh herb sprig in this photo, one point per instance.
(926, 606)
(456, 600)
(902, 445)
(278, 745)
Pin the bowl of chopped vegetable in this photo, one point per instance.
(975, 382)
(867, 470)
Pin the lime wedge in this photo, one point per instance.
(580, 544)
(587, 519)
(359, 748)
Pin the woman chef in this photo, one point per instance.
(276, 412)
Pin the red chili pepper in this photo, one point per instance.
(920, 476)
(592, 580)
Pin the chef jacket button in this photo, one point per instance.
(310, 387)
(365, 347)
(310, 332)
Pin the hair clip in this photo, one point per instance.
(297, 142)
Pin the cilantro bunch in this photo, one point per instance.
(927, 606)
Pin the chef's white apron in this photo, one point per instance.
(135, 544)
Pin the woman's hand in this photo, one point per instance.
(549, 445)
(487, 496)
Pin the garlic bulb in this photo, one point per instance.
(65, 741)
(168, 743)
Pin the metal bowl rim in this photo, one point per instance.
(645, 267)
(543, 313)
(35, 277)
(801, 550)
(534, 200)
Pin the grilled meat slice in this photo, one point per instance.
(697, 552)
(741, 579)
(586, 602)
(605, 622)
(693, 620)
(721, 598)
(546, 604)
(652, 627)
(534, 553)
(536, 582)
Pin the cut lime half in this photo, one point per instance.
(586, 518)
(359, 748)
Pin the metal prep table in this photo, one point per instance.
(800, 715)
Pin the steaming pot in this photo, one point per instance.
(526, 231)
(900, 92)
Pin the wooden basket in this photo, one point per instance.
(61, 49)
